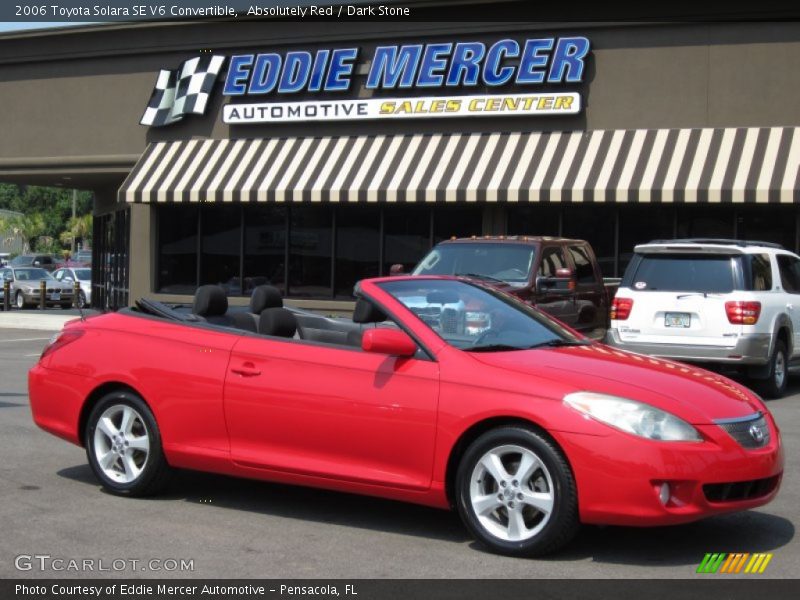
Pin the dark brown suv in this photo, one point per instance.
(560, 276)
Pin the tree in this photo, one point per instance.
(78, 228)
(28, 227)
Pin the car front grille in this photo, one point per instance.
(750, 432)
(737, 491)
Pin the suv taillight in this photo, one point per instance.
(743, 313)
(61, 339)
(621, 309)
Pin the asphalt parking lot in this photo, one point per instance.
(50, 504)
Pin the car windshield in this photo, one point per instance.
(709, 274)
(83, 274)
(32, 274)
(476, 318)
(508, 262)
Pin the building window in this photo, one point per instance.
(596, 225)
(264, 246)
(407, 236)
(706, 222)
(310, 251)
(533, 219)
(640, 224)
(177, 250)
(221, 247)
(357, 246)
(457, 221)
(768, 223)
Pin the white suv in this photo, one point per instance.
(712, 301)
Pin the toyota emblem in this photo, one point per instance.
(756, 433)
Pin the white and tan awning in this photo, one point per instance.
(645, 165)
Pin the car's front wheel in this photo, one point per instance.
(19, 301)
(516, 492)
(123, 445)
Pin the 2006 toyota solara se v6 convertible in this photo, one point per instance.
(438, 390)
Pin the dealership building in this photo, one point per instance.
(311, 154)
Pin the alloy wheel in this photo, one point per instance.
(780, 369)
(512, 493)
(121, 443)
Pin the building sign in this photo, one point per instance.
(412, 72)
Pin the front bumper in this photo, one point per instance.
(619, 479)
(33, 297)
(750, 349)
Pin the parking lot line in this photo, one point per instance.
(25, 340)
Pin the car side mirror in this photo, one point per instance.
(36, 263)
(562, 283)
(396, 269)
(388, 341)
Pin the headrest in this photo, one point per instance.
(277, 322)
(367, 312)
(265, 296)
(210, 301)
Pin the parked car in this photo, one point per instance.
(4, 258)
(25, 287)
(728, 302)
(83, 276)
(559, 276)
(44, 261)
(526, 428)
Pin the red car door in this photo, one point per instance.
(333, 412)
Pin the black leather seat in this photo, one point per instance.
(366, 312)
(263, 297)
(211, 303)
(277, 322)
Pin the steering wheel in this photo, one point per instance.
(485, 335)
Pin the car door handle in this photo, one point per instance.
(248, 369)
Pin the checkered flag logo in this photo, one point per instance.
(183, 91)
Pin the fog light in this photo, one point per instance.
(664, 493)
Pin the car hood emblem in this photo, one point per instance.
(756, 433)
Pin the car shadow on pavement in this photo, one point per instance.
(307, 504)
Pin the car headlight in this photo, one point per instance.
(633, 417)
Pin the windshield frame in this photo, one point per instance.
(559, 331)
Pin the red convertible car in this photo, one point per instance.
(438, 391)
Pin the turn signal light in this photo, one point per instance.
(621, 309)
(743, 313)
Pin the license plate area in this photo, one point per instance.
(55, 296)
(680, 320)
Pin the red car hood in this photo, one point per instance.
(693, 394)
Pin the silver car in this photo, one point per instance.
(26, 286)
(83, 275)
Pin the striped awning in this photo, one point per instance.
(643, 165)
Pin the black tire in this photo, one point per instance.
(19, 301)
(155, 471)
(774, 386)
(563, 521)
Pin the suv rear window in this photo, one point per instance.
(713, 274)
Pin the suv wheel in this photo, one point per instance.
(775, 384)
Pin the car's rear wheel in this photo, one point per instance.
(19, 301)
(516, 493)
(123, 445)
(774, 385)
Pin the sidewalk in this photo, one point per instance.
(45, 321)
